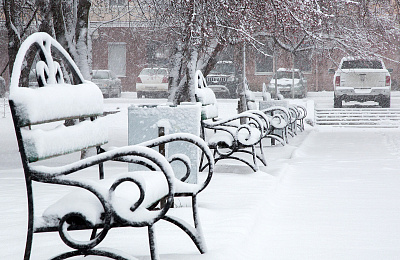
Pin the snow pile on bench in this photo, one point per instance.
(47, 143)
(57, 101)
(209, 103)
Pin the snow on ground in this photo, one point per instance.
(332, 193)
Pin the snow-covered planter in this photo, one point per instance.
(148, 122)
(272, 103)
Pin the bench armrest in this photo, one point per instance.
(59, 175)
(186, 137)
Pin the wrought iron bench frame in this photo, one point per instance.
(237, 128)
(275, 119)
(302, 114)
(51, 74)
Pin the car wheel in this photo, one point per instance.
(337, 102)
(139, 94)
(385, 102)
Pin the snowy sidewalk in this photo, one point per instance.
(338, 199)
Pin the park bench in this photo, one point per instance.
(294, 114)
(297, 113)
(231, 137)
(63, 114)
(275, 118)
(302, 114)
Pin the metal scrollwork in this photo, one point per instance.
(73, 243)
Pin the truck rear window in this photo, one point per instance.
(362, 64)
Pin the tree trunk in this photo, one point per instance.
(46, 12)
(174, 75)
(242, 103)
(83, 42)
(190, 72)
(185, 61)
(71, 23)
(12, 11)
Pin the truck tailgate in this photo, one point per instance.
(362, 78)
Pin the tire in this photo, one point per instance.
(337, 102)
(139, 94)
(385, 102)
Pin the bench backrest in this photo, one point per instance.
(206, 97)
(41, 110)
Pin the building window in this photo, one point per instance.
(117, 58)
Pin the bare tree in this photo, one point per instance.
(201, 29)
(66, 20)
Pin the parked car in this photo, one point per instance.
(223, 80)
(360, 79)
(220, 91)
(152, 82)
(108, 82)
(285, 83)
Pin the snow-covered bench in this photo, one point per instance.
(275, 118)
(293, 114)
(297, 114)
(302, 114)
(62, 114)
(228, 137)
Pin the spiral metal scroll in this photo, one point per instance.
(183, 158)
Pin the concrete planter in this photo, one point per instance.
(148, 122)
(273, 103)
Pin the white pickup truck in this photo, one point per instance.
(359, 79)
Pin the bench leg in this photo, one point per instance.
(29, 235)
(196, 219)
(152, 243)
(195, 233)
(29, 238)
(253, 150)
(262, 155)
